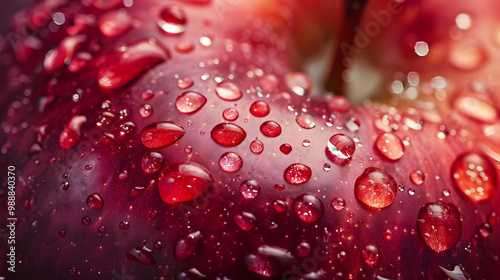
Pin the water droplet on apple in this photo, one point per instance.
(151, 162)
(147, 94)
(184, 83)
(298, 82)
(339, 104)
(327, 167)
(86, 220)
(186, 245)
(340, 148)
(387, 235)
(338, 204)
(230, 162)
(142, 255)
(305, 121)
(269, 261)
(390, 146)
(126, 128)
(375, 188)
(371, 255)
(228, 134)
(145, 111)
(230, 114)
(485, 230)
(189, 102)
(183, 182)
(474, 175)
(270, 82)
(421, 48)
(250, 189)
(303, 249)
(286, 148)
(129, 62)
(308, 208)
(417, 177)
(256, 147)
(114, 23)
(161, 134)
(259, 109)
(71, 134)
(476, 108)
(228, 91)
(124, 225)
(172, 20)
(245, 220)
(101, 229)
(279, 206)
(270, 129)
(306, 143)
(492, 218)
(297, 173)
(94, 201)
(439, 225)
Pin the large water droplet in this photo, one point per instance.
(230, 162)
(228, 134)
(279, 206)
(114, 23)
(183, 182)
(269, 261)
(270, 129)
(172, 20)
(474, 175)
(129, 62)
(476, 108)
(308, 208)
(305, 121)
(184, 83)
(71, 134)
(94, 201)
(186, 245)
(190, 102)
(390, 146)
(64, 52)
(439, 225)
(250, 189)
(370, 255)
(340, 149)
(245, 220)
(375, 188)
(228, 91)
(142, 255)
(297, 173)
(161, 134)
(417, 177)
(151, 162)
(259, 109)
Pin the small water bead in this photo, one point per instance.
(340, 148)
(259, 109)
(308, 208)
(256, 146)
(228, 91)
(61, 233)
(95, 201)
(101, 229)
(206, 40)
(421, 48)
(124, 225)
(145, 111)
(339, 104)
(327, 167)
(411, 191)
(279, 187)
(126, 128)
(184, 47)
(72, 132)
(353, 124)
(187, 245)
(270, 129)
(184, 83)
(476, 108)
(228, 134)
(417, 177)
(269, 261)
(230, 162)
(306, 143)
(338, 204)
(474, 175)
(298, 82)
(439, 225)
(303, 249)
(189, 102)
(279, 206)
(446, 192)
(88, 167)
(105, 119)
(86, 220)
(250, 189)
(124, 66)
(142, 255)
(390, 146)
(136, 191)
(387, 235)
(65, 186)
(286, 149)
(270, 83)
(371, 255)
(342, 256)
(158, 245)
(492, 218)
(147, 94)
(305, 121)
(375, 188)
(297, 173)
(413, 119)
(245, 220)
(485, 230)
(172, 20)
(114, 23)
(230, 114)
(161, 134)
(151, 162)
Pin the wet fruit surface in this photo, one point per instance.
(375, 188)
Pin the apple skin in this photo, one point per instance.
(112, 168)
